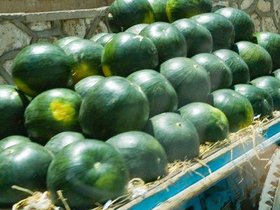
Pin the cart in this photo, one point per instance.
(241, 175)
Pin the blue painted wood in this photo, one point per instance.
(191, 178)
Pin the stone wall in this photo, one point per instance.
(266, 13)
(18, 30)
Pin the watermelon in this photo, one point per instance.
(144, 156)
(136, 29)
(159, 9)
(113, 106)
(97, 36)
(85, 84)
(39, 67)
(221, 29)
(86, 56)
(160, 93)
(211, 123)
(12, 105)
(178, 136)
(272, 86)
(276, 73)
(65, 40)
(168, 40)
(244, 26)
(87, 172)
(220, 74)
(256, 57)
(178, 9)
(24, 165)
(260, 100)
(236, 107)
(104, 39)
(198, 38)
(239, 69)
(189, 79)
(52, 112)
(61, 140)
(127, 53)
(123, 14)
(11, 141)
(271, 42)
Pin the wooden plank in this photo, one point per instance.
(28, 6)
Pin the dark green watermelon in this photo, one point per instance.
(220, 74)
(12, 105)
(85, 84)
(276, 73)
(260, 100)
(159, 9)
(189, 79)
(113, 106)
(168, 40)
(127, 53)
(24, 165)
(136, 29)
(244, 26)
(256, 57)
(123, 14)
(97, 36)
(61, 140)
(86, 57)
(177, 9)
(211, 123)
(221, 29)
(239, 69)
(105, 39)
(178, 136)
(87, 172)
(236, 107)
(11, 141)
(198, 38)
(65, 40)
(144, 156)
(271, 42)
(272, 86)
(41, 66)
(161, 95)
(52, 112)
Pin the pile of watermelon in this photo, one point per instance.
(85, 116)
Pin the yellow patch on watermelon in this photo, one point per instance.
(82, 71)
(62, 111)
(106, 71)
(149, 17)
(24, 87)
(168, 11)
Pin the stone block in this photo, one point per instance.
(2, 81)
(40, 25)
(8, 66)
(264, 5)
(74, 27)
(12, 37)
(246, 4)
(268, 25)
(221, 3)
(276, 11)
(257, 21)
